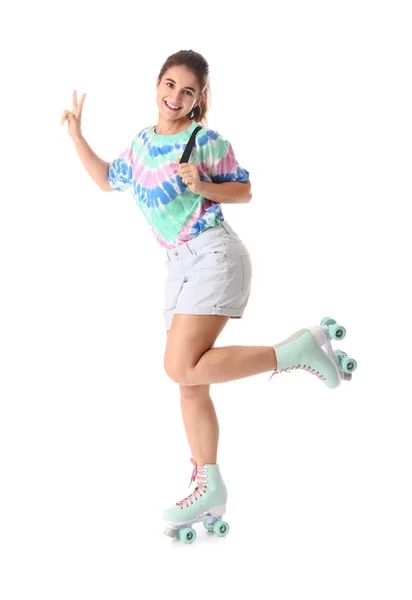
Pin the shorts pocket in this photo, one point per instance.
(216, 246)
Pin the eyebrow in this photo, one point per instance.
(187, 87)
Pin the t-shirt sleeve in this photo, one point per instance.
(120, 173)
(225, 165)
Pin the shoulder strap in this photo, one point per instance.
(189, 145)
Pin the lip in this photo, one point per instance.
(172, 103)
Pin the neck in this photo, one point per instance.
(167, 128)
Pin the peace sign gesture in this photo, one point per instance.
(74, 117)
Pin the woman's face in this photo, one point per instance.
(180, 88)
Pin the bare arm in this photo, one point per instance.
(235, 192)
(96, 167)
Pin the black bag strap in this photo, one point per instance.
(189, 145)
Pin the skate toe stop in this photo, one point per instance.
(170, 532)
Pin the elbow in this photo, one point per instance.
(105, 187)
(249, 194)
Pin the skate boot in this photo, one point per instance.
(207, 504)
(311, 349)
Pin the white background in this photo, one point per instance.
(316, 101)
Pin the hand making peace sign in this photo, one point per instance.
(74, 117)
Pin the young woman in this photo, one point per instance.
(209, 269)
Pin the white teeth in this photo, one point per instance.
(171, 105)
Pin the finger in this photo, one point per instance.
(75, 100)
(65, 113)
(79, 112)
(187, 172)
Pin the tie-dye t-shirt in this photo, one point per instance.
(149, 166)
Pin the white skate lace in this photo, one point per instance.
(200, 473)
(305, 367)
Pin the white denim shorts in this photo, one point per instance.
(210, 274)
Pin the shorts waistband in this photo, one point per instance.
(192, 247)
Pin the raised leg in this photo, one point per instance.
(191, 359)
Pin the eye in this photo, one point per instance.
(188, 91)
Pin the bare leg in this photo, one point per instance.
(200, 421)
(191, 358)
(228, 363)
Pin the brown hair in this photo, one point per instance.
(198, 65)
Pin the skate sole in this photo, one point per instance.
(209, 516)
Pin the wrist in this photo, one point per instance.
(203, 190)
(77, 137)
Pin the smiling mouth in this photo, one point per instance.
(170, 107)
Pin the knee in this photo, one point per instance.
(177, 373)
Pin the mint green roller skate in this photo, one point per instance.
(207, 504)
(310, 349)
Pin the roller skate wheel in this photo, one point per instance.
(208, 526)
(187, 535)
(339, 355)
(220, 528)
(347, 376)
(336, 332)
(327, 321)
(349, 364)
